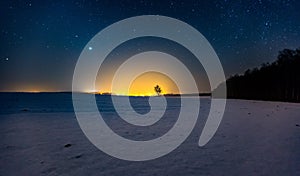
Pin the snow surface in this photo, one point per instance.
(254, 138)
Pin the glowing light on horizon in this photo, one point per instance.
(92, 91)
(145, 83)
(34, 91)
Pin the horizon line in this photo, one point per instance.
(105, 93)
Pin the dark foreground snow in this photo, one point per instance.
(254, 138)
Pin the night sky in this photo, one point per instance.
(42, 40)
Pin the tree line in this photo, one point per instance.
(278, 81)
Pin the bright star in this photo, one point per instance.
(90, 48)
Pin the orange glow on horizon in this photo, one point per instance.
(34, 91)
(145, 83)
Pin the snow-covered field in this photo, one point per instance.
(40, 136)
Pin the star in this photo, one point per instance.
(90, 48)
(6, 59)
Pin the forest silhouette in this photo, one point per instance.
(278, 81)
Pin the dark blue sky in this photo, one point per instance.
(41, 40)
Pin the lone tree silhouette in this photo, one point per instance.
(157, 89)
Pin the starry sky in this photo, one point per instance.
(42, 40)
